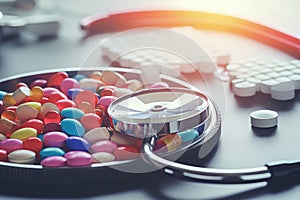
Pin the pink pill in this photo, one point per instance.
(78, 158)
(104, 146)
(67, 84)
(56, 96)
(55, 139)
(10, 145)
(91, 121)
(105, 101)
(54, 161)
(48, 91)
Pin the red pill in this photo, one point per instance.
(33, 144)
(90, 121)
(65, 103)
(126, 153)
(37, 124)
(13, 108)
(87, 96)
(48, 91)
(57, 78)
(52, 116)
(3, 155)
(99, 113)
(107, 92)
(56, 96)
(39, 82)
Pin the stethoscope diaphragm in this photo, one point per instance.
(154, 112)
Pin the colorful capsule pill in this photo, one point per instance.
(22, 156)
(78, 158)
(54, 161)
(102, 157)
(72, 127)
(172, 141)
(73, 113)
(24, 133)
(189, 135)
(51, 151)
(10, 145)
(97, 134)
(74, 143)
(126, 153)
(90, 121)
(67, 84)
(104, 146)
(34, 144)
(55, 139)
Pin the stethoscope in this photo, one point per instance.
(271, 172)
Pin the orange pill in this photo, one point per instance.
(8, 100)
(8, 114)
(86, 107)
(36, 93)
(96, 75)
(172, 141)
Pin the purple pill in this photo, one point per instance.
(50, 127)
(54, 161)
(78, 158)
(55, 139)
(10, 145)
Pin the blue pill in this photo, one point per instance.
(200, 129)
(51, 151)
(77, 144)
(73, 113)
(72, 127)
(41, 137)
(2, 94)
(189, 135)
(73, 92)
(78, 77)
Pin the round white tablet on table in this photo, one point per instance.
(264, 118)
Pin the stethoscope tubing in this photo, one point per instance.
(203, 20)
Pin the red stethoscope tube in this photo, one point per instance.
(202, 20)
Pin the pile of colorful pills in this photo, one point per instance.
(63, 121)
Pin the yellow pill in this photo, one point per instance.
(36, 93)
(36, 105)
(113, 78)
(8, 100)
(21, 94)
(26, 112)
(24, 133)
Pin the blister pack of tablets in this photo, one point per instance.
(170, 64)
